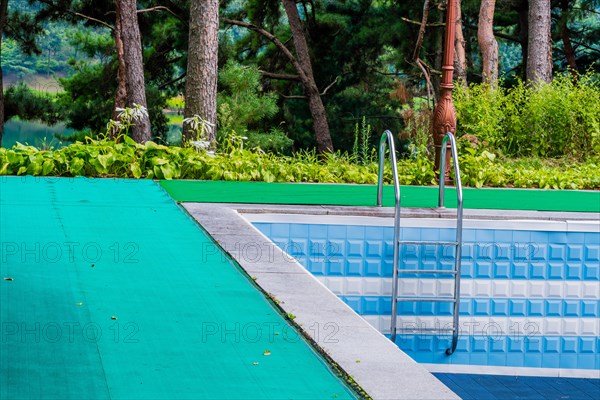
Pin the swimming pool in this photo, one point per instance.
(530, 301)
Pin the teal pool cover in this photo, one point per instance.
(109, 290)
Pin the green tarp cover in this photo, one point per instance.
(366, 195)
(109, 290)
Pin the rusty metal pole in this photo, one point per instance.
(444, 117)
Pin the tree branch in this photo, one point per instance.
(160, 8)
(172, 81)
(283, 77)
(330, 85)
(429, 25)
(273, 39)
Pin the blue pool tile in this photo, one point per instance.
(592, 251)
(483, 270)
(355, 232)
(280, 230)
(317, 231)
(557, 237)
(355, 248)
(557, 252)
(374, 248)
(502, 270)
(574, 271)
(317, 247)
(518, 307)
(520, 270)
(537, 271)
(551, 360)
(590, 308)
(571, 308)
(317, 266)
(298, 230)
(535, 308)
(503, 252)
(588, 345)
(354, 267)
(374, 232)
(556, 271)
(468, 251)
(575, 252)
(521, 237)
(568, 360)
(335, 267)
(553, 308)
(576, 237)
(591, 271)
(336, 231)
(481, 307)
(569, 344)
(499, 307)
(388, 233)
(370, 306)
(467, 270)
(373, 268)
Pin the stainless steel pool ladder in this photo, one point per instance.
(388, 139)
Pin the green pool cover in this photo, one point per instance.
(365, 195)
(108, 290)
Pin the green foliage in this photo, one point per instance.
(126, 159)
(275, 141)
(549, 120)
(21, 101)
(242, 105)
(360, 149)
(244, 108)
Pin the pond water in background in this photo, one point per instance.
(34, 133)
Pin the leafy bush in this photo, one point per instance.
(549, 120)
(127, 159)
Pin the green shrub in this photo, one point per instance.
(127, 159)
(557, 119)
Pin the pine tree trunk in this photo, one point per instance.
(523, 10)
(134, 66)
(121, 94)
(566, 36)
(460, 59)
(317, 110)
(487, 42)
(3, 16)
(202, 65)
(539, 58)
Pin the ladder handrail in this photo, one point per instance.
(459, 221)
(388, 138)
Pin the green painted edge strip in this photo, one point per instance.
(365, 195)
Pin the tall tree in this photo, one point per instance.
(121, 93)
(320, 124)
(460, 58)
(3, 17)
(566, 36)
(134, 65)
(202, 64)
(539, 57)
(487, 41)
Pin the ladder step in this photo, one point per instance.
(432, 299)
(427, 271)
(425, 242)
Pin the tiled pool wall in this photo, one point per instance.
(530, 302)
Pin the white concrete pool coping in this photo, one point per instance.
(376, 364)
